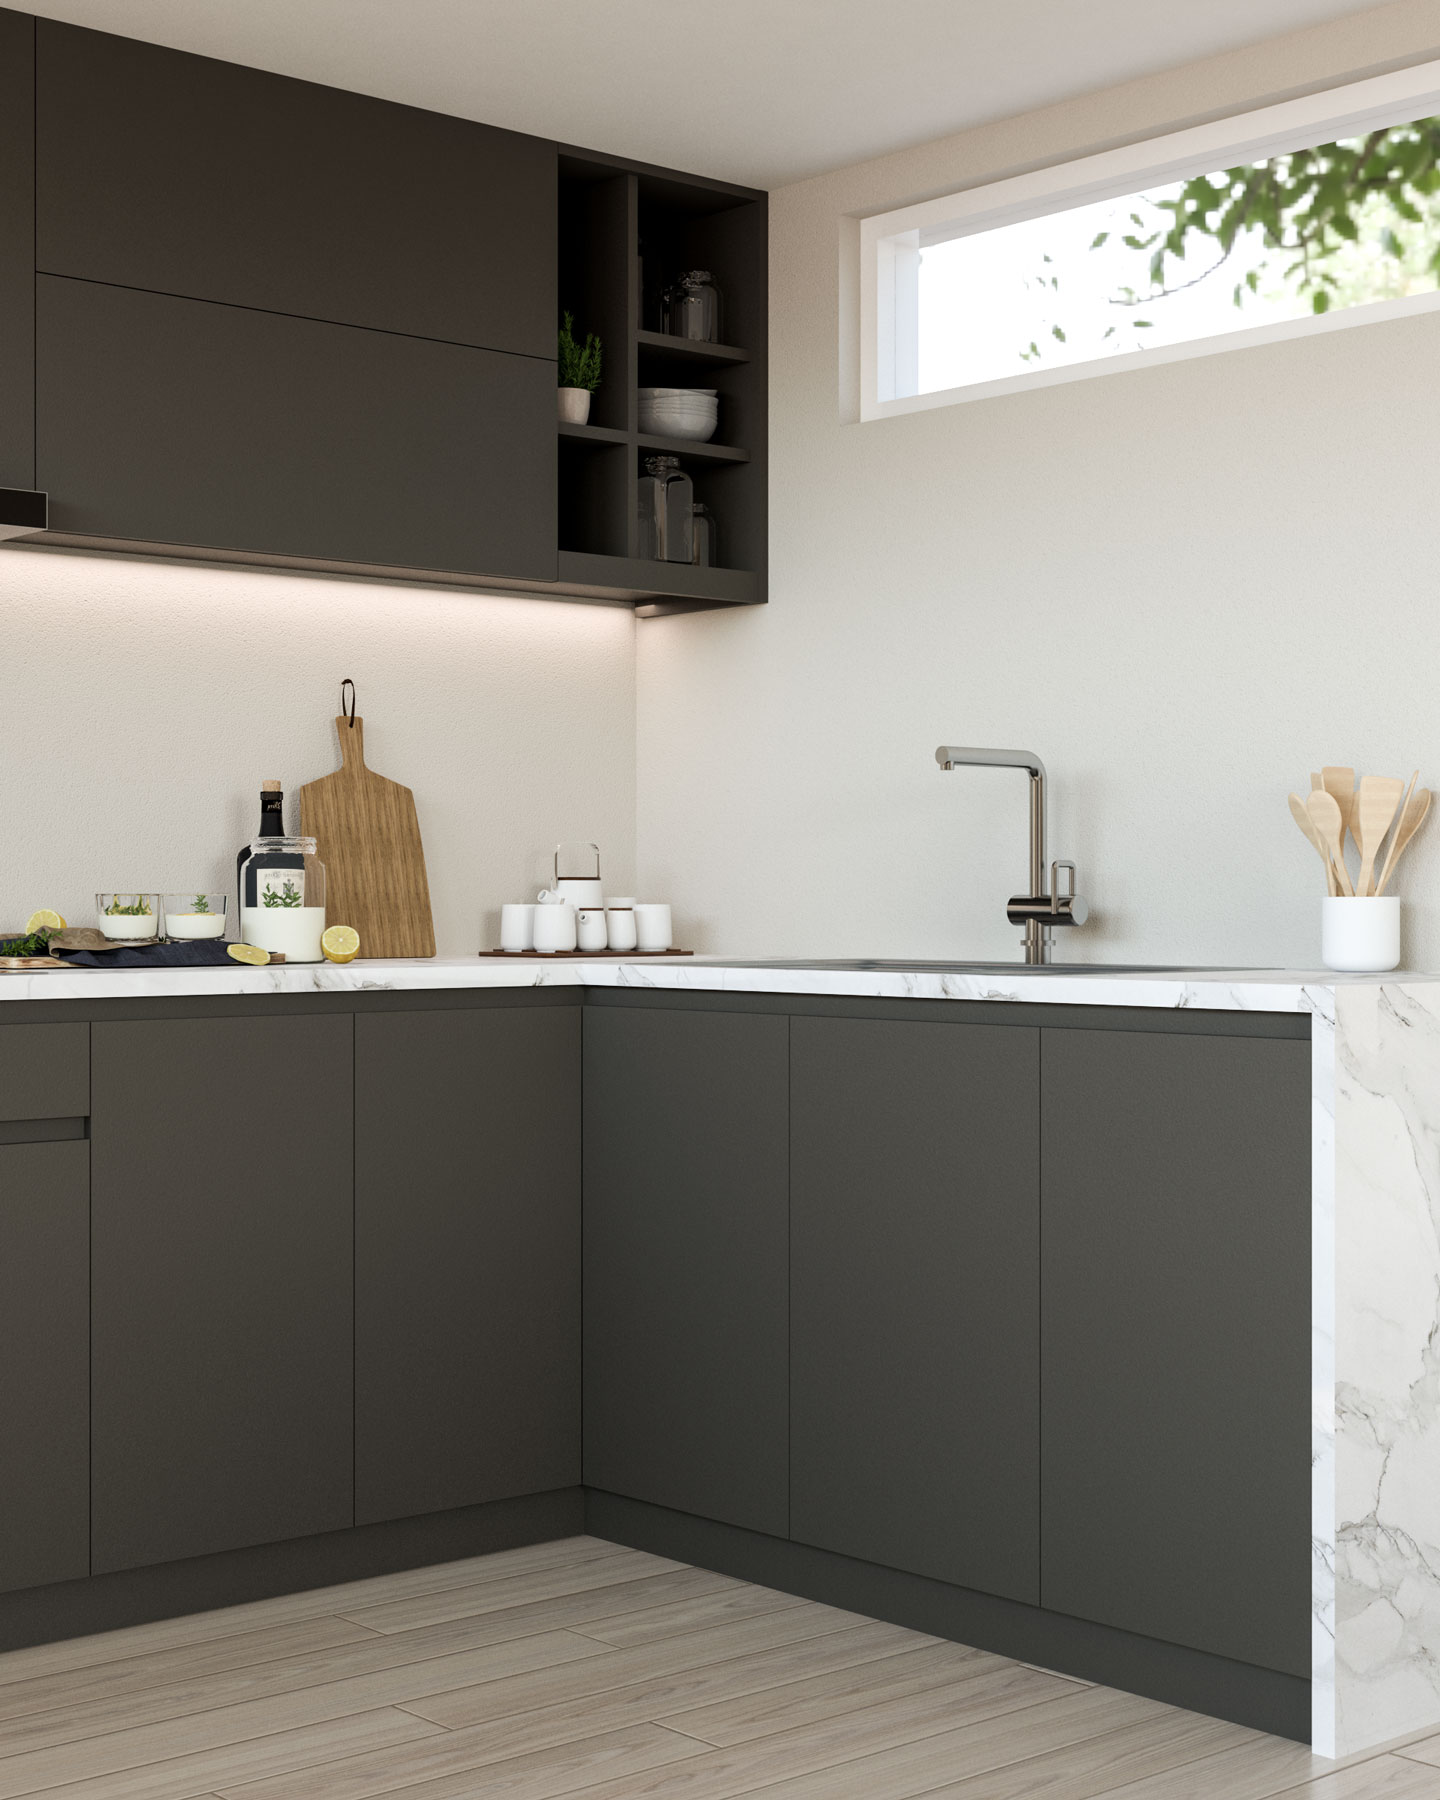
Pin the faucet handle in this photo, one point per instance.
(1068, 908)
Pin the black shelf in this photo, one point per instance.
(626, 230)
(662, 344)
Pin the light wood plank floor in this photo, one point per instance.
(583, 1669)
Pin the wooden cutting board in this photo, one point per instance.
(368, 837)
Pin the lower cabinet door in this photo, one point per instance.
(686, 1327)
(1176, 1339)
(181, 422)
(44, 1363)
(467, 1257)
(914, 1289)
(223, 1216)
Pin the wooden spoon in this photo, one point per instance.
(1411, 820)
(1308, 826)
(1375, 808)
(1341, 783)
(1324, 811)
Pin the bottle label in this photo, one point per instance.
(280, 888)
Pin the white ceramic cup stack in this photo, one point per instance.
(690, 413)
(555, 923)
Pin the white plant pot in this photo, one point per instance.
(1361, 935)
(574, 406)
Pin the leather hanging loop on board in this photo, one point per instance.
(350, 715)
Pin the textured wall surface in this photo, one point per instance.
(1184, 587)
(143, 703)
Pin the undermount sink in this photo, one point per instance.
(901, 965)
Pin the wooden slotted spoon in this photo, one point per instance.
(1375, 808)
(1411, 819)
(1324, 811)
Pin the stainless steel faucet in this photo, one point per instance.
(1036, 910)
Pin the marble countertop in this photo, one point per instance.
(1232, 990)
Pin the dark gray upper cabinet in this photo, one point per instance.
(17, 252)
(1176, 1413)
(222, 1316)
(915, 1333)
(184, 175)
(467, 1257)
(685, 1261)
(179, 422)
(44, 1362)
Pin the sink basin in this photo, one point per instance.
(966, 968)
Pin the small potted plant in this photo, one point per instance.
(579, 373)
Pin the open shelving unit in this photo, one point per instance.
(626, 232)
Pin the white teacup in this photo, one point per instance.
(652, 927)
(620, 924)
(555, 927)
(590, 933)
(517, 926)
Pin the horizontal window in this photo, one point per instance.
(1179, 247)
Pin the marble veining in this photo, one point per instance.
(1375, 1250)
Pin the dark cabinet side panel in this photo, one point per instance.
(1176, 1344)
(686, 1262)
(223, 1221)
(914, 1297)
(467, 1245)
(172, 421)
(17, 250)
(44, 1363)
(185, 175)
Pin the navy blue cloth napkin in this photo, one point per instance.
(152, 956)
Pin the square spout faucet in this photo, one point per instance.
(1039, 912)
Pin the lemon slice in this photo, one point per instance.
(44, 920)
(249, 953)
(341, 943)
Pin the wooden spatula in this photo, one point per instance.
(1324, 811)
(1411, 819)
(1375, 807)
(1308, 826)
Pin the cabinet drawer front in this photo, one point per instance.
(1176, 1339)
(44, 1072)
(177, 422)
(184, 175)
(44, 1363)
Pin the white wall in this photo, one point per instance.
(1185, 588)
(143, 703)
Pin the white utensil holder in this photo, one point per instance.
(1361, 935)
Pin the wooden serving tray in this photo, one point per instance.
(586, 955)
(30, 965)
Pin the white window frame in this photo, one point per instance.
(890, 242)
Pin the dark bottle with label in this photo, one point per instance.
(272, 824)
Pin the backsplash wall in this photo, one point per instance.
(142, 703)
(1184, 587)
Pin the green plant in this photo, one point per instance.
(579, 364)
(116, 911)
(37, 944)
(289, 895)
(202, 903)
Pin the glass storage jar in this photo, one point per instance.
(706, 547)
(667, 500)
(282, 898)
(695, 308)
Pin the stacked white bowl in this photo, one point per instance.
(679, 412)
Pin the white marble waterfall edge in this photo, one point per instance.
(1375, 1322)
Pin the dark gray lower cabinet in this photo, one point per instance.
(686, 1315)
(915, 1331)
(467, 1257)
(45, 1359)
(181, 422)
(1176, 1267)
(222, 1269)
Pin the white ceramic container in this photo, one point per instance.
(590, 931)
(620, 924)
(652, 927)
(517, 926)
(574, 406)
(1360, 936)
(555, 926)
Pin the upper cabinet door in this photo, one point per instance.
(184, 175)
(178, 422)
(17, 262)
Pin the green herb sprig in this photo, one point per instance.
(37, 944)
